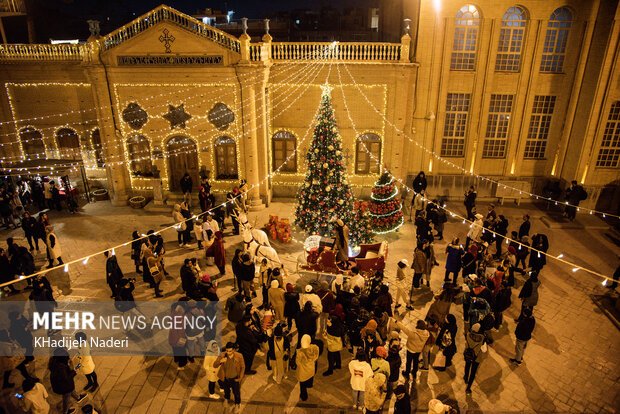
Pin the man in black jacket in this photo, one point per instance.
(574, 195)
(113, 272)
(247, 342)
(188, 280)
(186, 188)
(523, 332)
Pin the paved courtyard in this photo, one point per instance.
(572, 363)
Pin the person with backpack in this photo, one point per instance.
(446, 341)
(474, 353)
(523, 333)
(62, 378)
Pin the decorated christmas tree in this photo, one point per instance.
(360, 228)
(385, 207)
(325, 194)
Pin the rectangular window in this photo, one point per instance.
(464, 48)
(554, 49)
(609, 154)
(538, 132)
(283, 157)
(455, 125)
(509, 49)
(497, 126)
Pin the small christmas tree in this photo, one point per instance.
(385, 208)
(325, 194)
(360, 229)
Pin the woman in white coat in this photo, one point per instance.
(212, 352)
(85, 363)
(53, 247)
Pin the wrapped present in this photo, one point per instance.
(273, 234)
(287, 238)
(284, 222)
(273, 219)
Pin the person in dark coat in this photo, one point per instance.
(232, 209)
(188, 280)
(136, 248)
(291, 305)
(419, 182)
(306, 322)
(529, 293)
(523, 333)
(502, 302)
(29, 225)
(446, 340)
(470, 202)
(113, 272)
(61, 377)
(574, 195)
(236, 268)
(453, 260)
(524, 228)
(20, 332)
(247, 272)
(501, 228)
(7, 271)
(537, 259)
(186, 184)
(247, 343)
(402, 405)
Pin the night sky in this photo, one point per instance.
(66, 19)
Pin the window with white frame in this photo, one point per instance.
(609, 154)
(498, 122)
(465, 38)
(556, 39)
(511, 36)
(364, 162)
(540, 122)
(455, 125)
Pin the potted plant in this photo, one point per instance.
(137, 202)
(100, 194)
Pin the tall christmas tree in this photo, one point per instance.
(385, 207)
(325, 194)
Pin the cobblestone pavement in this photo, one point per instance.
(571, 363)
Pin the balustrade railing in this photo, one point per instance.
(162, 13)
(359, 52)
(41, 52)
(255, 52)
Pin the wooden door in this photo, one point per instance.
(182, 158)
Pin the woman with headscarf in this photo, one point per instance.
(212, 351)
(276, 299)
(446, 340)
(53, 247)
(236, 268)
(155, 269)
(376, 390)
(334, 336)
(370, 337)
(342, 244)
(176, 336)
(475, 231)
(470, 264)
(180, 225)
(306, 365)
(279, 348)
(306, 322)
(214, 247)
(419, 182)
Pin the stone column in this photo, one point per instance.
(248, 79)
(111, 138)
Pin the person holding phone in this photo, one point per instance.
(62, 378)
(86, 365)
(34, 397)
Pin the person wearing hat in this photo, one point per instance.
(306, 367)
(342, 244)
(279, 349)
(230, 372)
(402, 405)
(313, 298)
(475, 231)
(212, 352)
(474, 353)
(378, 362)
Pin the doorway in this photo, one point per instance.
(182, 158)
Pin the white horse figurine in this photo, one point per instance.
(257, 250)
(258, 235)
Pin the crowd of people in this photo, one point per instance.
(290, 327)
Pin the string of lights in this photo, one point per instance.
(469, 172)
(316, 67)
(312, 57)
(84, 259)
(575, 267)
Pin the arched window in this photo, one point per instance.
(226, 159)
(96, 143)
(32, 143)
(465, 38)
(68, 144)
(556, 39)
(364, 163)
(511, 40)
(283, 149)
(139, 155)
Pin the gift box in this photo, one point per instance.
(273, 219)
